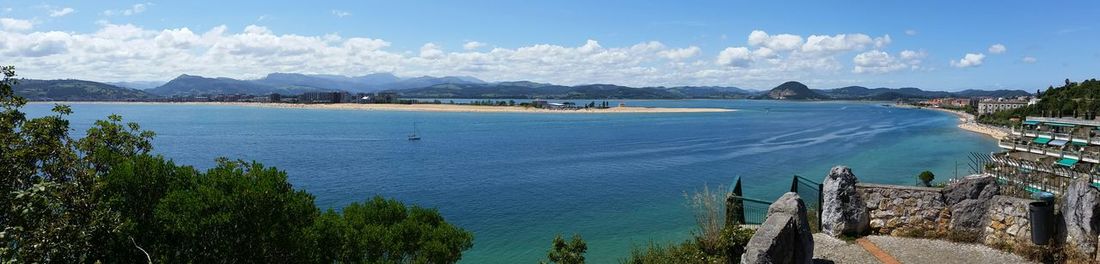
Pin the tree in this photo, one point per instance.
(104, 197)
(926, 178)
(571, 252)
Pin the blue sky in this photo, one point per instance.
(941, 45)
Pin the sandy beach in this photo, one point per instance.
(969, 123)
(434, 107)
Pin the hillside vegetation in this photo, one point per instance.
(1080, 100)
(75, 90)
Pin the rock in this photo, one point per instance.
(843, 212)
(970, 188)
(969, 201)
(784, 237)
(1081, 212)
(968, 214)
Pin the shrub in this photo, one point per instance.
(571, 252)
(926, 178)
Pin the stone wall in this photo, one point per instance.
(905, 211)
(1007, 225)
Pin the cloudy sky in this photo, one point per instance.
(929, 44)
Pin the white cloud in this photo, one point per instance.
(843, 42)
(876, 61)
(912, 57)
(997, 49)
(431, 51)
(133, 10)
(472, 45)
(735, 57)
(119, 52)
(1029, 59)
(969, 60)
(882, 41)
(339, 13)
(590, 46)
(781, 42)
(680, 54)
(15, 25)
(911, 32)
(61, 12)
(177, 39)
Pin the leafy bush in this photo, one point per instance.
(571, 252)
(926, 178)
(105, 198)
(715, 242)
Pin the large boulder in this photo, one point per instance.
(968, 200)
(1081, 212)
(843, 211)
(784, 237)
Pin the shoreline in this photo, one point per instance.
(445, 108)
(969, 123)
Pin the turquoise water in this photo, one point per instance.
(517, 179)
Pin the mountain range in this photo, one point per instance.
(454, 87)
(76, 90)
(296, 83)
(798, 91)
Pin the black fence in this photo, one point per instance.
(744, 210)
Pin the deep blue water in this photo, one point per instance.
(517, 179)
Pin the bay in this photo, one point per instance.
(517, 179)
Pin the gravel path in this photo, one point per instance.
(908, 250)
(831, 250)
(915, 250)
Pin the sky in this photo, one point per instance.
(934, 45)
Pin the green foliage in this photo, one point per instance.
(1070, 100)
(926, 178)
(571, 252)
(386, 231)
(105, 198)
(732, 245)
(76, 90)
(715, 241)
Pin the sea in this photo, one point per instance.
(515, 180)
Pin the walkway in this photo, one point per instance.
(890, 250)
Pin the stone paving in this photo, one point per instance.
(907, 250)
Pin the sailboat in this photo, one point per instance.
(415, 134)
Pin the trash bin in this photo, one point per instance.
(1044, 197)
(1041, 216)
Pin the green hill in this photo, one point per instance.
(793, 91)
(1081, 100)
(76, 90)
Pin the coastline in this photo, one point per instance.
(969, 123)
(425, 107)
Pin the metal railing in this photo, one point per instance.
(744, 210)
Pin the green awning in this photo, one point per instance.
(1041, 140)
(1031, 122)
(1060, 124)
(1067, 162)
(1078, 143)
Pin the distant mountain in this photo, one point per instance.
(864, 93)
(75, 90)
(713, 92)
(793, 91)
(140, 85)
(376, 79)
(191, 85)
(426, 81)
(525, 89)
(995, 93)
(888, 94)
(317, 82)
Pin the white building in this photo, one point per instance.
(992, 106)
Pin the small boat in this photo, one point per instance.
(415, 134)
